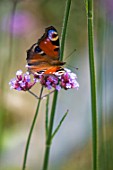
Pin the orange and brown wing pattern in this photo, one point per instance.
(43, 56)
(49, 42)
(37, 60)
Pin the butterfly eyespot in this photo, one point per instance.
(53, 36)
(37, 49)
(60, 72)
(39, 73)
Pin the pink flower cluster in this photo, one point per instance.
(50, 81)
(21, 82)
(66, 81)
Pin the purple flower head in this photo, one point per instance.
(22, 82)
(49, 81)
(68, 80)
(65, 81)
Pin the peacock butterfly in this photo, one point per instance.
(44, 56)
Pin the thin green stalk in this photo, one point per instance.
(33, 94)
(49, 137)
(31, 130)
(64, 27)
(47, 113)
(92, 81)
(59, 125)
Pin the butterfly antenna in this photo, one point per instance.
(70, 54)
(68, 57)
(72, 66)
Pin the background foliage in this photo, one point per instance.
(22, 22)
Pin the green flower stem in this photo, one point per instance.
(59, 125)
(64, 28)
(49, 136)
(33, 94)
(46, 95)
(93, 81)
(47, 113)
(31, 130)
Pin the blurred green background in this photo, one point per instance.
(22, 23)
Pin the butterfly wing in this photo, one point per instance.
(44, 55)
(37, 60)
(49, 43)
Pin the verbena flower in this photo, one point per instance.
(67, 80)
(22, 81)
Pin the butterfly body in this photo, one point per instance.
(43, 56)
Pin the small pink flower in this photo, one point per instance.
(68, 80)
(65, 81)
(49, 81)
(21, 82)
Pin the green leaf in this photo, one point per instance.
(59, 125)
